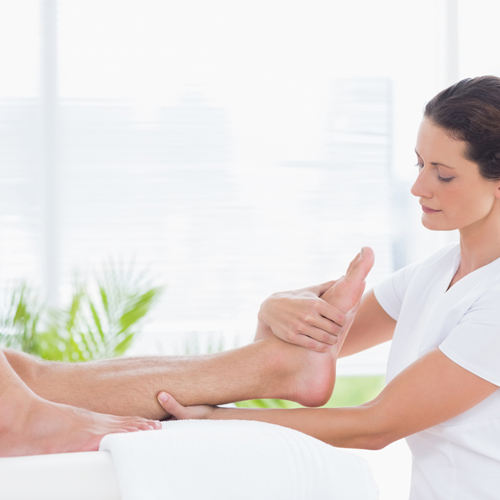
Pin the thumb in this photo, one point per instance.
(171, 406)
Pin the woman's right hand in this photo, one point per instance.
(301, 317)
(178, 412)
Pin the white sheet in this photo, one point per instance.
(191, 460)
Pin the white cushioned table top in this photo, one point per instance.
(194, 459)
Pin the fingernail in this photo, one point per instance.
(362, 252)
(163, 396)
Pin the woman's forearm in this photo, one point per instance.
(352, 427)
(430, 391)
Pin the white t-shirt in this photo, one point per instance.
(460, 458)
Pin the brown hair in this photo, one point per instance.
(470, 111)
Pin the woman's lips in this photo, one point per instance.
(428, 210)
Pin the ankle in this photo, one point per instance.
(278, 366)
(288, 366)
(301, 375)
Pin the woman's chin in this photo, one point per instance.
(433, 225)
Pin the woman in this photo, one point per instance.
(443, 315)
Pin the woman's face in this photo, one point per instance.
(452, 192)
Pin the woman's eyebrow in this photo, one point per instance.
(435, 163)
(441, 164)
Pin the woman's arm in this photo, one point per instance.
(430, 391)
(371, 326)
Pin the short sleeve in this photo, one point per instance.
(391, 291)
(474, 343)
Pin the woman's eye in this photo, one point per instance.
(440, 179)
(444, 179)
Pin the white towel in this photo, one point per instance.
(232, 459)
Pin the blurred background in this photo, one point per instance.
(233, 149)
(228, 150)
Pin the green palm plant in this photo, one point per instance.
(19, 319)
(101, 320)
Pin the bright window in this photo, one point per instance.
(237, 149)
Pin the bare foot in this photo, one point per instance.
(30, 425)
(347, 292)
(312, 381)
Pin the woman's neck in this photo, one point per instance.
(479, 245)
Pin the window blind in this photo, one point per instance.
(232, 150)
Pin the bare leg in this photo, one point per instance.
(30, 425)
(128, 386)
(268, 368)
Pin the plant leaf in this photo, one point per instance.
(138, 309)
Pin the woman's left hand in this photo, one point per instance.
(179, 412)
(302, 317)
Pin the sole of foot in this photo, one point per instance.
(314, 379)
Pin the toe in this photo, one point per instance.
(361, 265)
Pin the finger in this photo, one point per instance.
(170, 405)
(319, 321)
(321, 334)
(311, 344)
(331, 312)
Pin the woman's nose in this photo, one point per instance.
(420, 187)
